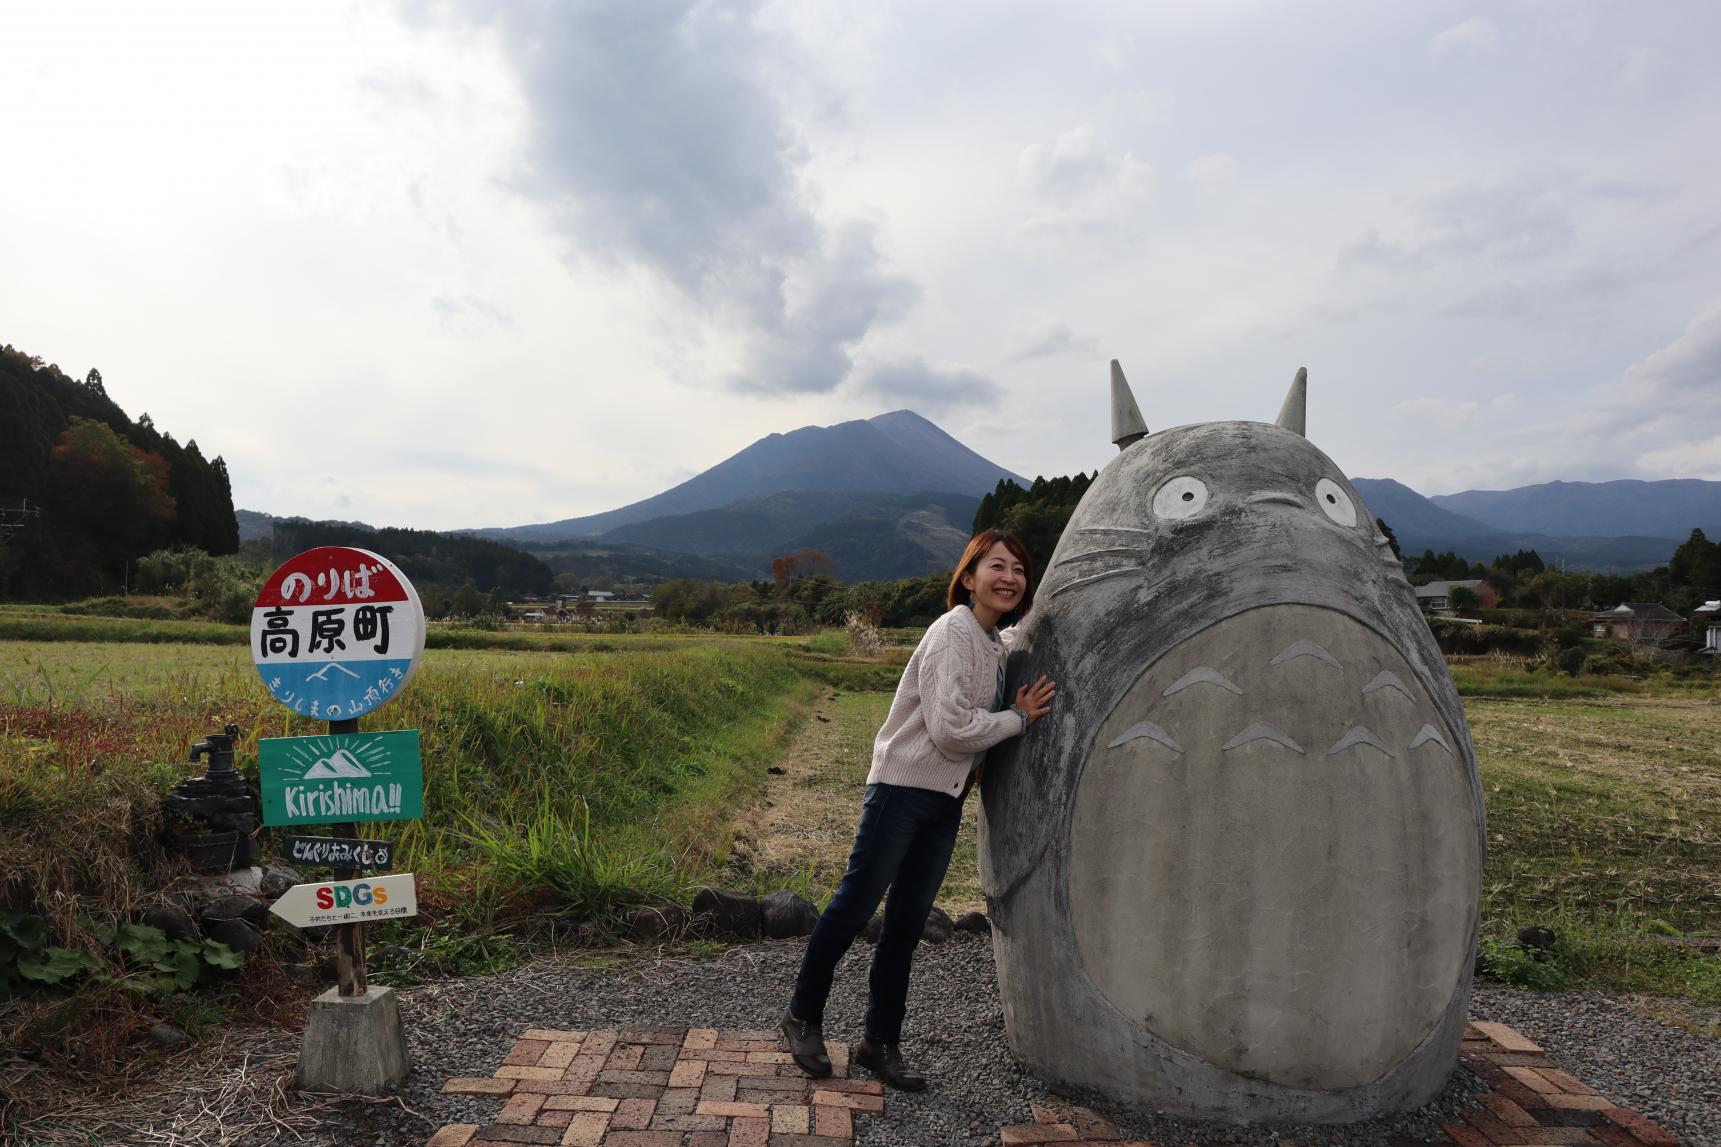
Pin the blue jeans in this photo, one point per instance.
(904, 842)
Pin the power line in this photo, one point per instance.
(14, 518)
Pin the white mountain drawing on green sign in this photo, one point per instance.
(339, 764)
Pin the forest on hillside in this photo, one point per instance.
(438, 564)
(85, 490)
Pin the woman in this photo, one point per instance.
(949, 709)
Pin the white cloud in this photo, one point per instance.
(1685, 371)
(1499, 220)
(1697, 459)
(1213, 173)
(1643, 67)
(1470, 39)
(658, 139)
(623, 241)
(1049, 340)
(1085, 189)
(925, 386)
(1443, 413)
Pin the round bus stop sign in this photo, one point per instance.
(336, 632)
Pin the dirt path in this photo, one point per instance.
(798, 834)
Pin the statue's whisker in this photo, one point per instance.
(1078, 583)
(1096, 553)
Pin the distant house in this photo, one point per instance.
(1636, 621)
(1434, 597)
(1708, 617)
(599, 595)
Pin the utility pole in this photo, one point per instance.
(13, 518)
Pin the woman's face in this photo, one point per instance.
(997, 582)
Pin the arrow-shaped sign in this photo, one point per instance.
(348, 901)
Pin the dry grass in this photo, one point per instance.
(1604, 811)
(233, 1086)
(799, 833)
(1603, 808)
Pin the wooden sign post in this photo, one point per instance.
(336, 632)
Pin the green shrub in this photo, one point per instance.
(26, 955)
(1538, 969)
(1457, 638)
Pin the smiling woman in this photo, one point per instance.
(947, 712)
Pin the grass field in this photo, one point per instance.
(560, 783)
(1604, 822)
(572, 776)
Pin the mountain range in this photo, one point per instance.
(885, 497)
(895, 453)
(895, 496)
(1624, 526)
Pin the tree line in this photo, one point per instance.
(104, 489)
(446, 569)
(804, 594)
(1524, 581)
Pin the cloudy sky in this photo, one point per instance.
(462, 264)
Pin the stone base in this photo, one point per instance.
(353, 1044)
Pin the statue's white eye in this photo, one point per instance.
(1334, 502)
(1181, 497)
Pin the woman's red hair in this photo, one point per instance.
(979, 547)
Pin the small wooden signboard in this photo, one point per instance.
(339, 852)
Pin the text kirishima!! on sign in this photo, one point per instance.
(336, 632)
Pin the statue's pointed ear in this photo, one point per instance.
(1293, 416)
(1126, 423)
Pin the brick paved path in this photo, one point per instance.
(701, 1087)
(679, 1087)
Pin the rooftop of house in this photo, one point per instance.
(1444, 588)
(1638, 611)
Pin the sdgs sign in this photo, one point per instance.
(348, 901)
(336, 632)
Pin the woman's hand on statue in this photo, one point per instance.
(1035, 700)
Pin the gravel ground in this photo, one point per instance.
(955, 1032)
(1671, 1074)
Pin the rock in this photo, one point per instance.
(729, 913)
(869, 932)
(175, 923)
(241, 880)
(658, 922)
(236, 934)
(973, 922)
(301, 936)
(1537, 938)
(784, 914)
(168, 1036)
(938, 927)
(277, 878)
(246, 908)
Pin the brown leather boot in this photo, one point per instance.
(885, 1061)
(806, 1043)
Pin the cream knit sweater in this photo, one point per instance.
(942, 713)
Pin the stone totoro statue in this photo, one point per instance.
(1237, 872)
